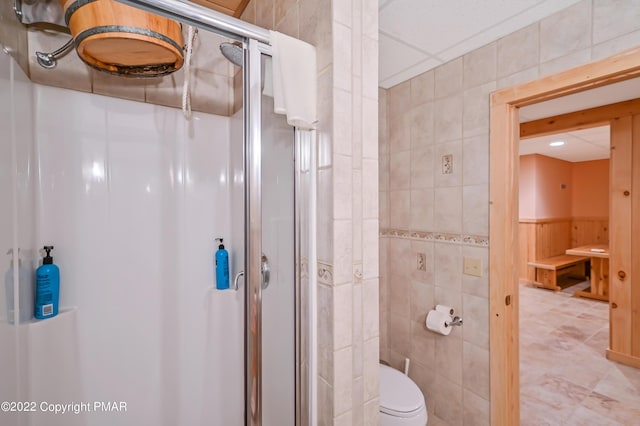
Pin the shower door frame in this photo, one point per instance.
(256, 42)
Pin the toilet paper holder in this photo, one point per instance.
(454, 321)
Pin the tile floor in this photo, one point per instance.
(565, 378)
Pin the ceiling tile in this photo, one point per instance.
(618, 92)
(581, 145)
(597, 135)
(408, 73)
(446, 30)
(437, 25)
(396, 57)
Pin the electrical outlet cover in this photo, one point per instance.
(472, 266)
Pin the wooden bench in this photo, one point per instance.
(550, 269)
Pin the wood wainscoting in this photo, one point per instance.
(540, 239)
(543, 238)
(589, 230)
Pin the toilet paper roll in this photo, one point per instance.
(446, 309)
(437, 322)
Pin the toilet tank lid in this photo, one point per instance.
(398, 393)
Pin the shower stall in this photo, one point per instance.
(132, 196)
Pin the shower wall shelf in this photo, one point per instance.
(62, 315)
(33, 322)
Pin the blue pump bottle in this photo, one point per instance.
(222, 267)
(47, 287)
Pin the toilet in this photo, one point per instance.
(401, 401)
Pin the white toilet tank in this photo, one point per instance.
(401, 401)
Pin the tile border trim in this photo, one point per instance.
(441, 237)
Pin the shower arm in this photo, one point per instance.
(17, 8)
(47, 13)
(49, 60)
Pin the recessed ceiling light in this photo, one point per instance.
(556, 143)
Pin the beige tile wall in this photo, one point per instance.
(13, 35)
(211, 75)
(445, 217)
(345, 34)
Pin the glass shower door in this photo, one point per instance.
(278, 243)
(270, 256)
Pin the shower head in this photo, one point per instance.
(233, 52)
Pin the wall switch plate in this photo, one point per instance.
(447, 164)
(472, 266)
(421, 262)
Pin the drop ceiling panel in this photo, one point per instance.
(581, 145)
(398, 56)
(422, 23)
(444, 30)
(407, 73)
(613, 93)
(599, 136)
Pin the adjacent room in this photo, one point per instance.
(564, 205)
(571, 165)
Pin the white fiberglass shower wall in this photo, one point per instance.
(132, 196)
(17, 217)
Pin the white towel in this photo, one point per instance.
(295, 80)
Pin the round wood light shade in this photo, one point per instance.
(123, 40)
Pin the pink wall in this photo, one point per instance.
(527, 187)
(541, 195)
(590, 197)
(552, 201)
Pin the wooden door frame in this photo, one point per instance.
(504, 361)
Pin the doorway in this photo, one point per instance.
(504, 303)
(564, 204)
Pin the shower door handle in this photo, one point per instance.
(266, 272)
(235, 280)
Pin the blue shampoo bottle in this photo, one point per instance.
(47, 287)
(222, 267)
